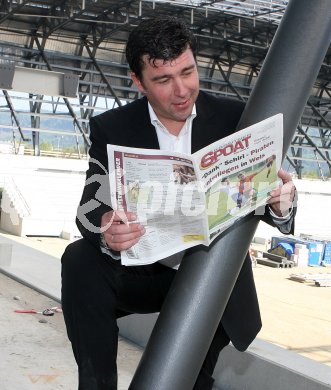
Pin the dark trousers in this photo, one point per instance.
(96, 290)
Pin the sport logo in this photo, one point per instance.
(212, 157)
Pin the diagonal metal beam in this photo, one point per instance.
(104, 78)
(14, 11)
(313, 144)
(13, 112)
(324, 120)
(199, 294)
(66, 100)
(231, 86)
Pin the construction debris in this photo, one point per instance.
(46, 312)
(319, 279)
(273, 260)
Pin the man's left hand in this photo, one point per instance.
(282, 198)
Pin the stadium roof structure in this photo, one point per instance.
(86, 39)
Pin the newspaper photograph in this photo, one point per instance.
(240, 171)
(186, 200)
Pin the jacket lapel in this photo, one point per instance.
(202, 125)
(143, 134)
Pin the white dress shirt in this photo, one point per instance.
(172, 143)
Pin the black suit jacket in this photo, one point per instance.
(130, 125)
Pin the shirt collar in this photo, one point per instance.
(156, 122)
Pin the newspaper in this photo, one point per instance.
(186, 200)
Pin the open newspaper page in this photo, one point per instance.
(162, 189)
(186, 200)
(238, 172)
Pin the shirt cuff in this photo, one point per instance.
(107, 250)
(281, 220)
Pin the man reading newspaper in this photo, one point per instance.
(173, 115)
(181, 198)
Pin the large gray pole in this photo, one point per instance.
(201, 289)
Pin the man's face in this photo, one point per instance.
(171, 88)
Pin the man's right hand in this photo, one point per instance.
(120, 230)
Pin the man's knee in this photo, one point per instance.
(79, 261)
(74, 248)
(77, 251)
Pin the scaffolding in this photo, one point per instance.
(87, 38)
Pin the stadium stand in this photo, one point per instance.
(41, 199)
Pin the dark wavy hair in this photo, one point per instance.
(163, 38)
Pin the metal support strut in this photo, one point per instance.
(201, 289)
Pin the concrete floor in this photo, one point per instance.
(34, 350)
(37, 355)
(295, 315)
